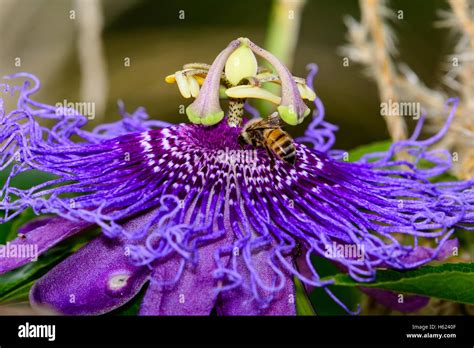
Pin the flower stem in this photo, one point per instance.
(282, 37)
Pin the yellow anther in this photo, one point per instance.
(183, 84)
(170, 79)
(311, 95)
(199, 79)
(193, 86)
(306, 92)
(302, 91)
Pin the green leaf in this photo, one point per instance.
(303, 304)
(322, 302)
(19, 294)
(23, 180)
(5, 231)
(18, 277)
(450, 281)
(26, 179)
(445, 177)
(358, 152)
(21, 220)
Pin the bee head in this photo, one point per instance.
(243, 140)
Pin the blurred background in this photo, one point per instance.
(122, 49)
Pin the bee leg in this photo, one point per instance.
(241, 142)
(272, 157)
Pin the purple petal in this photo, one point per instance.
(411, 303)
(37, 223)
(96, 279)
(304, 269)
(194, 292)
(241, 300)
(40, 235)
(448, 249)
(422, 253)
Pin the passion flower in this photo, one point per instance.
(207, 223)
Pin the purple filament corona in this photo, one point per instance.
(202, 189)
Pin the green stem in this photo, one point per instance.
(282, 38)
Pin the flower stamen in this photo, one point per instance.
(236, 76)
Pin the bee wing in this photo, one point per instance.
(274, 120)
(271, 122)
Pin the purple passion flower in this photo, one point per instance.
(209, 223)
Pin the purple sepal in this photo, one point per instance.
(194, 291)
(390, 299)
(422, 253)
(96, 279)
(241, 300)
(39, 235)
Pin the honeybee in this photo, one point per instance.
(268, 134)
